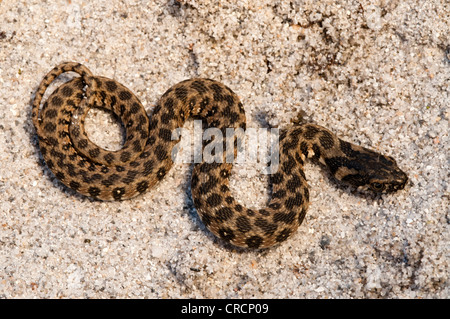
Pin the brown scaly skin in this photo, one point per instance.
(145, 157)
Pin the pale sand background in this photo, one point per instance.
(375, 72)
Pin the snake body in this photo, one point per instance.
(145, 156)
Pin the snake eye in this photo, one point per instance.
(376, 186)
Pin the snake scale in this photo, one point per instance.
(145, 156)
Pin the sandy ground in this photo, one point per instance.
(375, 72)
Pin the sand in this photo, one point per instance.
(375, 72)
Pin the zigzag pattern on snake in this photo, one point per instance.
(145, 156)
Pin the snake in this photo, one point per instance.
(145, 157)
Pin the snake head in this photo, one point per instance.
(386, 179)
(370, 171)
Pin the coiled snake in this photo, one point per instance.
(145, 156)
